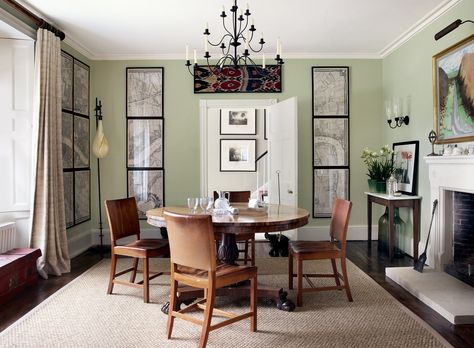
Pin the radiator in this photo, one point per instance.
(7, 236)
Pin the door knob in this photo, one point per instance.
(290, 192)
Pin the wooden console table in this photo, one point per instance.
(391, 203)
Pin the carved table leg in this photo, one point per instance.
(228, 251)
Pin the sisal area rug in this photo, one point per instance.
(82, 315)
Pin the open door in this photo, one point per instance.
(283, 154)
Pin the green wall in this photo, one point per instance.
(181, 112)
(407, 72)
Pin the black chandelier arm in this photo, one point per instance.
(218, 44)
(209, 66)
(256, 50)
(225, 28)
(228, 50)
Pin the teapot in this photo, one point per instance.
(222, 202)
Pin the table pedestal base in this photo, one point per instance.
(187, 295)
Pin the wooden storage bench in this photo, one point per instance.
(17, 270)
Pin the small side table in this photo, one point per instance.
(391, 203)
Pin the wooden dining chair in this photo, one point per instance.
(123, 222)
(193, 263)
(309, 250)
(246, 238)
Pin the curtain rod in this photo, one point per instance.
(40, 22)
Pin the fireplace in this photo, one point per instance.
(446, 285)
(461, 260)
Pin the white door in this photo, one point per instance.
(16, 91)
(283, 154)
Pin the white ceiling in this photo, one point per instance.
(116, 29)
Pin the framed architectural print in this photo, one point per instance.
(405, 161)
(144, 92)
(145, 143)
(237, 121)
(67, 63)
(82, 203)
(330, 142)
(238, 155)
(329, 184)
(330, 91)
(67, 140)
(147, 186)
(68, 179)
(81, 88)
(81, 142)
(453, 96)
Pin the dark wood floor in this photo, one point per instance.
(369, 260)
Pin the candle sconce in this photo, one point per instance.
(394, 113)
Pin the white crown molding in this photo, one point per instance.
(79, 47)
(17, 24)
(440, 10)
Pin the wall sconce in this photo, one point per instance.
(394, 113)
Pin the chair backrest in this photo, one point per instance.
(341, 212)
(123, 218)
(236, 196)
(191, 240)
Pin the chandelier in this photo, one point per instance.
(241, 33)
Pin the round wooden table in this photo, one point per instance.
(272, 218)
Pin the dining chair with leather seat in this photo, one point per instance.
(332, 250)
(193, 263)
(247, 238)
(123, 220)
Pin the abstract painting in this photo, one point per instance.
(147, 186)
(67, 63)
(241, 80)
(144, 92)
(238, 155)
(81, 88)
(330, 91)
(453, 90)
(81, 142)
(330, 141)
(329, 184)
(145, 143)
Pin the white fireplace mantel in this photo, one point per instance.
(447, 295)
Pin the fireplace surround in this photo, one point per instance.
(449, 176)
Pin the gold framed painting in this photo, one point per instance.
(453, 92)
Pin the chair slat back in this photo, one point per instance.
(191, 240)
(236, 196)
(123, 218)
(341, 212)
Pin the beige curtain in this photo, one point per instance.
(48, 227)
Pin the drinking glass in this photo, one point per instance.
(192, 204)
(203, 203)
(196, 204)
(210, 203)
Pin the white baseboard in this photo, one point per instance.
(322, 233)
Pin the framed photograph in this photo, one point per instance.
(238, 155)
(145, 143)
(237, 121)
(330, 91)
(82, 193)
(144, 92)
(329, 184)
(147, 186)
(67, 63)
(453, 92)
(244, 79)
(330, 141)
(81, 142)
(68, 178)
(405, 159)
(67, 140)
(81, 88)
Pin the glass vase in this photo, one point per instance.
(376, 186)
(383, 233)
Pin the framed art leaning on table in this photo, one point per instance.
(405, 162)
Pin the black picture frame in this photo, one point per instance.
(145, 86)
(405, 159)
(326, 102)
(154, 195)
(329, 184)
(233, 160)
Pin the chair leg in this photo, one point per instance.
(146, 280)
(134, 272)
(171, 308)
(299, 286)
(246, 252)
(334, 270)
(211, 294)
(253, 303)
(113, 267)
(346, 280)
(290, 271)
(252, 261)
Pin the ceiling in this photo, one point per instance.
(140, 29)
